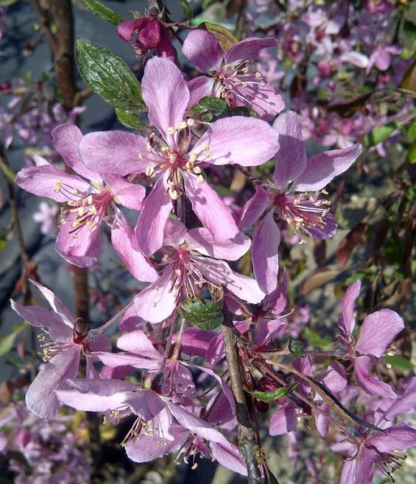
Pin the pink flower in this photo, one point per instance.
(46, 216)
(89, 199)
(62, 347)
(230, 77)
(152, 34)
(190, 261)
(377, 332)
(242, 140)
(294, 174)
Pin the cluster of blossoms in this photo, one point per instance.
(326, 52)
(46, 450)
(165, 371)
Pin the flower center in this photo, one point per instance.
(303, 212)
(51, 348)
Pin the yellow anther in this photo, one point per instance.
(58, 186)
(200, 179)
(150, 171)
(171, 130)
(197, 170)
(182, 125)
(193, 157)
(174, 195)
(190, 122)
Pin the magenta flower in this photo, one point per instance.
(294, 175)
(62, 346)
(89, 199)
(229, 77)
(377, 332)
(243, 140)
(151, 34)
(190, 261)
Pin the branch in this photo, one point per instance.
(247, 437)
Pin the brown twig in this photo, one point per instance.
(247, 437)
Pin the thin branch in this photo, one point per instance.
(247, 437)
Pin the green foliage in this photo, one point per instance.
(109, 76)
(209, 104)
(129, 119)
(186, 9)
(315, 339)
(399, 363)
(380, 134)
(103, 12)
(7, 342)
(223, 35)
(7, 3)
(274, 395)
(3, 244)
(204, 314)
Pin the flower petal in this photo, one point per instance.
(46, 181)
(174, 234)
(158, 301)
(248, 48)
(166, 95)
(130, 195)
(203, 241)
(237, 139)
(324, 167)
(230, 457)
(266, 241)
(123, 240)
(347, 321)
(291, 156)
(203, 50)
(40, 397)
(283, 421)
(219, 272)
(378, 330)
(56, 304)
(371, 385)
(399, 437)
(210, 209)
(200, 87)
(138, 343)
(153, 218)
(116, 152)
(255, 207)
(66, 140)
(259, 96)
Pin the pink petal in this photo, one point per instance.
(347, 321)
(138, 343)
(244, 287)
(399, 437)
(128, 194)
(66, 140)
(116, 152)
(200, 87)
(324, 167)
(56, 304)
(148, 448)
(95, 395)
(153, 218)
(382, 60)
(174, 234)
(283, 421)
(322, 421)
(166, 95)
(335, 378)
(83, 250)
(42, 317)
(248, 48)
(43, 181)
(40, 397)
(126, 361)
(145, 404)
(405, 403)
(259, 96)
(255, 207)
(266, 241)
(327, 231)
(126, 29)
(362, 366)
(158, 301)
(123, 240)
(230, 457)
(203, 50)
(203, 241)
(276, 302)
(266, 329)
(378, 331)
(291, 156)
(210, 209)
(195, 342)
(238, 139)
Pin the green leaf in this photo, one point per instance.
(7, 172)
(7, 3)
(129, 120)
(223, 35)
(7, 342)
(103, 12)
(186, 9)
(380, 134)
(296, 348)
(204, 314)
(109, 76)
(275, 395)
(3, 244)
(209, 103)
(316, 339)
(399, 363)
